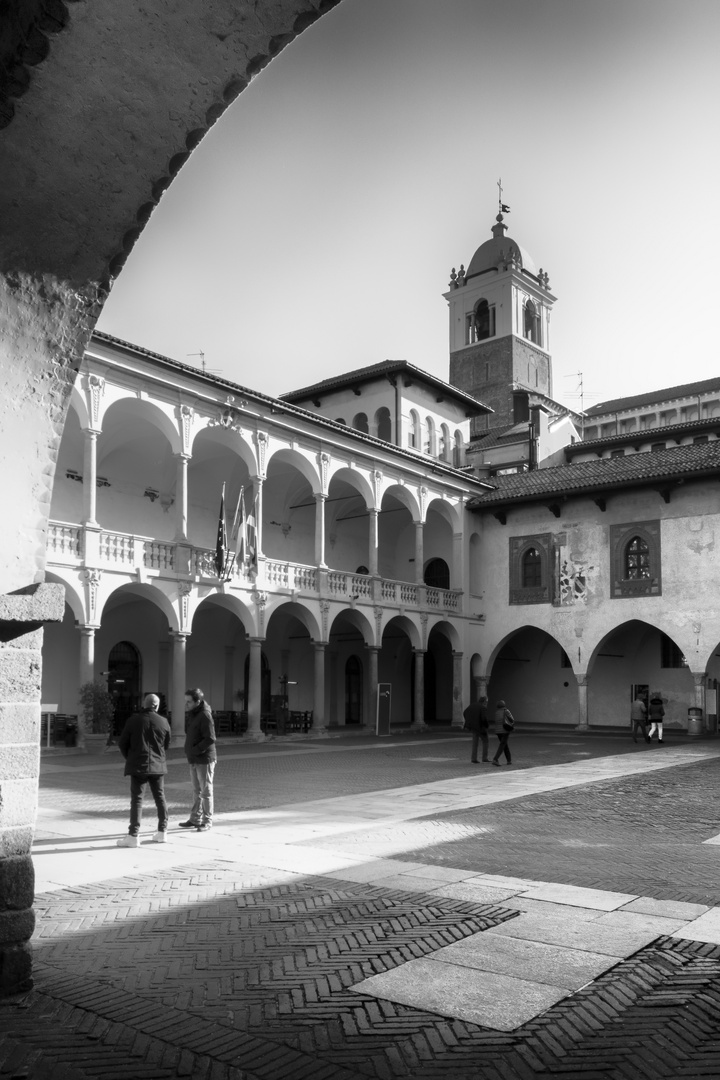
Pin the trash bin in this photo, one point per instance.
(70, 733)
(695, 721)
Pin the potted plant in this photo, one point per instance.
(98, 713)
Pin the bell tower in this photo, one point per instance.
(499, 312)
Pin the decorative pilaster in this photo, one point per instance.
(91, 578)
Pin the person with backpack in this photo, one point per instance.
(504, 727)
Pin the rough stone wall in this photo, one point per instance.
(101, 104)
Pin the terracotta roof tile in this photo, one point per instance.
(602, 474)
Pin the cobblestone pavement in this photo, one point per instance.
(210, 963)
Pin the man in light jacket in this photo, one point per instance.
(143, 743)
(202, 756)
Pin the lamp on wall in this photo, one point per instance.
(151, 494)
(71, 474)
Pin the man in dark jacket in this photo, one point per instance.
(477, 721)
(143, 742)
(202, 756)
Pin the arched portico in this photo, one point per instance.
(351, 691)
(638, 654)
(527, 667)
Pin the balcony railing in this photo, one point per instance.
(126, 552)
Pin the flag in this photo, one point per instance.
(504, 208)
(221, 543)
(238, 536)
(251, 537)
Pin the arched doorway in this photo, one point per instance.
(353, 690)
(124, 680)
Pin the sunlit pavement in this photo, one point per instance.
(407, 894)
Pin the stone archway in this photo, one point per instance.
(83, 164)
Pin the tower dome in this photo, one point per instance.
(499, 250)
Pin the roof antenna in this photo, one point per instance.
(205, 370)
(503, 208)
(580, 390)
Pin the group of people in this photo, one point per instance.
(477, 721)
(144, 743)
(648, 720)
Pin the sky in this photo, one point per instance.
(314, 229)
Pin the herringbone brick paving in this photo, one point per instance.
(254, 984)
(213, 971)
(627, 835)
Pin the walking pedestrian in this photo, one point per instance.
(638, 718)
(202, 755)
(478, 722)
(656, 712)
(143, 743)
(504, 727)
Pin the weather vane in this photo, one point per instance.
(502, 207)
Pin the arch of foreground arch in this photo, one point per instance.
(100, 107)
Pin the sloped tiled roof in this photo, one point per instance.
(654, 397)
(388, 367)
(602, 475)
(690, 427)
(507, 435)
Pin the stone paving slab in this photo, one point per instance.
(583, 935)
(546, 910)
(492, 1000)
(475, 892)
(671, 909)
(635, 920)
(553, 964)
(572, 895)
(704, 928)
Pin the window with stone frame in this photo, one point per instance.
(531, 569)
(635, 555)
(531, 322)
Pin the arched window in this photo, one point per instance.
(531, 569)
(445, 447)
(484, 320)
(360, 423)
(458, 452)
(637, 559)
(414, 431)
(437, 574)
(531, 322)
(341, 420)
(383, 424)
(429, 447)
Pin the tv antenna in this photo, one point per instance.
(205, 369)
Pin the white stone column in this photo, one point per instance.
(318, 724)
(373, 542)
(582, 684)
(320, 530)
(458, 720)
(259, 514)
(181, 497)
(90, 476)
(254, 703)
(372, 684)
(179, 686)
(418, 723)
(419, 556)
(87, 654)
